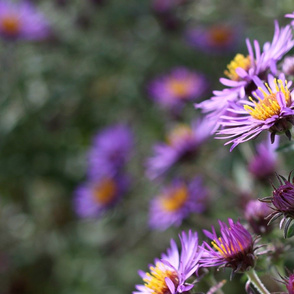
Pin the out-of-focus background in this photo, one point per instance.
(91, 71)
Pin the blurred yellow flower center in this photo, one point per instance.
(239, 61)
(176, 199)
(179, 134)
(156, 280)
(10, 24)
(227, 250)
(180, 88)
(219, 35)
(105, 191)
(268, 106)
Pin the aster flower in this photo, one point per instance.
(22, 21)
(180, 85)
(183, 142)
(110, 151)
(170, 273)
(255, 213)
(270, 108)
(92, 198)
(218, 38)
(262, 166)
(282, 202)
(234, 249)
(176, 202)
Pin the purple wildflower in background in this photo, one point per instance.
(176, 202)
(263, 165)
(170, 273)
(172, 90)
(218, 38)
(234, 249)
(256, 213)
(22, 21)
(183, 142)
(110, 151)
(271, 108)
(92, 198)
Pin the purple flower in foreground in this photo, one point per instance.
(22, 21)
(110, 151)
(170, 273)
(234, 249)
(263, 165)
(271, 108)
(255, 213)
(178, 86)
(282, 202)
(92, 198)
(183, 142)
(176, 202)
(218, 38)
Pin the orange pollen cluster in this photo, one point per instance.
(180, 88)
(105, 191)
(239, 61)
(176, 199)
(227, 250)
(156, 280)
(10, 24)
(268, 106)
(178, 134)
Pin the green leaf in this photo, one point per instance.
(290, 232)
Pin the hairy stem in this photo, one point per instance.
(254, 279)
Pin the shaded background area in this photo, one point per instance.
(55, 94)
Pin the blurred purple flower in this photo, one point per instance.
(92, 198)
(172, 90)
(183, 142)
(218, 38)
(22, 21)
(271, 108)
(234, 249)
(263, 165)
(110, 151)
(176, 202)
(169, 274)
(255, 213)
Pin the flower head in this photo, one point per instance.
(234, 249)
(22, 21)
(110, 151)
(172, 90)
(183, 142)
(271, 108)
(176, 202)
(282, 202)
(91, 199)
(170, 273)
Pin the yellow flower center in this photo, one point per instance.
(10, 24)
(105, 191)
(239, 61)
(268, 106)
(180, 88)
(179, 134)
(156, 280)
(176, 200)
(219, 35)
(228, 250)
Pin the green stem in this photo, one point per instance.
(254, 279)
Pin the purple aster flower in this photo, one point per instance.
(270, 108)
(263, 165)
(183, 142)
(218, 38)
(176, 202)
(110, 151)
(282, 202)
(92, 198)
(234, 249)
(172, 90)
(22, 21)
(256, 213)
(170, 273)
